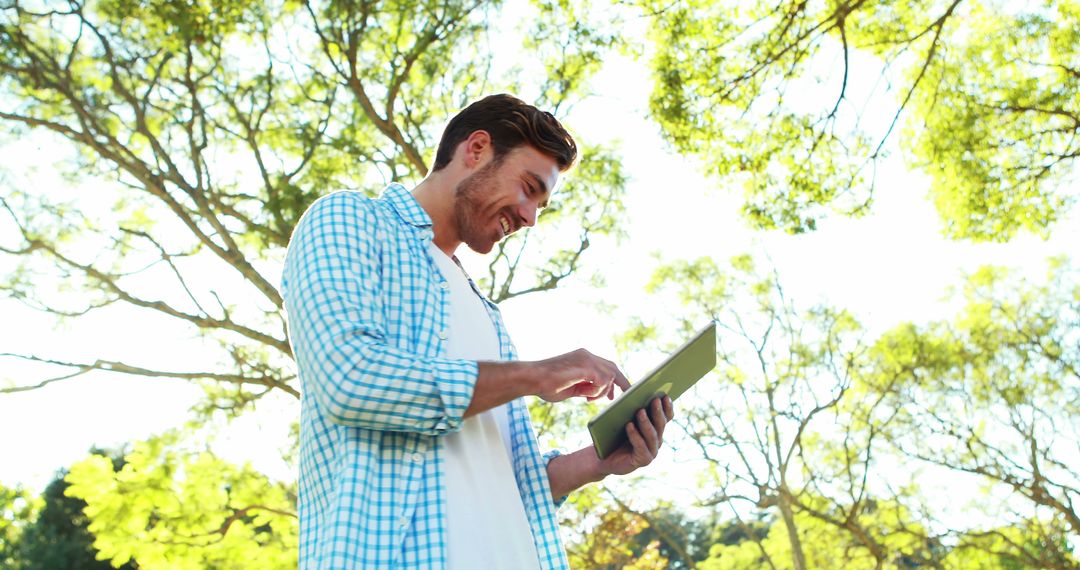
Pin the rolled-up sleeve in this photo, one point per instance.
(556, 501)
(338, 330)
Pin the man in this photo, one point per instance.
(416, 449)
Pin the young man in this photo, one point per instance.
(416, 449)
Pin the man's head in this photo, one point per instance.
(510, 122)
(508, 155)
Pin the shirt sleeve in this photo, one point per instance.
(547, 459)
(337, 329)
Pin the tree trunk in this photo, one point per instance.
(797, 556)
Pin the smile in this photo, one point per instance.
(506, 227)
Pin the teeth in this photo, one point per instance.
(505, 225)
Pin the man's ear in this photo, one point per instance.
(475, 149)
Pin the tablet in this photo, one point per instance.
(673, 377)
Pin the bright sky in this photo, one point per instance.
(888, 267)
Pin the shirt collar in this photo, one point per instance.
(406, 206)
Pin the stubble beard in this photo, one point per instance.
(469, 205)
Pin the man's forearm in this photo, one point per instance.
(566, 473)
(574, 374)
(500, 382)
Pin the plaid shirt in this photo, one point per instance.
(368, 310)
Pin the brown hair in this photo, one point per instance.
(511, 123)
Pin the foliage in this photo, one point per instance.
(999, 121)
(1013, 548)
(59, 538)
(663, 536)
(766, 93)
(788, 371)
(994, 393)
(195, 134)
(211, 127)
(612, 541)
(865, 533)
(173, 507)
(18, 509)
(50, 531)
(808, 421)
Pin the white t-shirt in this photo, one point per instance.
(486, 522)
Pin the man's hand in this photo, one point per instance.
(646, 435)
(578, 373)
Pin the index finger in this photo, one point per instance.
(621, 380)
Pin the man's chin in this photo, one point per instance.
(482, 248)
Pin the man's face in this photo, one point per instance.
(502, 196)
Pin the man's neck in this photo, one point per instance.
(436, 196)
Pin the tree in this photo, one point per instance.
(1009, 548)
(59, 537)
(662, 536)
(616, 538)
(682, 540)
(808, 421)
(995, 393)
(47, 532)
(173, 505)
(828, 546)
(196, 134)
(18, 509)
(787, 370)
(211, 127)
(984, 99)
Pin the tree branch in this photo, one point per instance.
(122, 368)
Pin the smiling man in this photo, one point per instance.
(416, 449)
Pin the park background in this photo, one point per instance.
(873, 199)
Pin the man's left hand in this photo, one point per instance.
(645, 435)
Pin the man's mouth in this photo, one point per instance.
(507, 228)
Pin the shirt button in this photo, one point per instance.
(403, 522)
(444, 285)
(417, 458)
(443, 335)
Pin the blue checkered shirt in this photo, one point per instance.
(368, 311)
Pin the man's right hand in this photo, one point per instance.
(577, 373)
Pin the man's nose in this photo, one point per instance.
(527, 212)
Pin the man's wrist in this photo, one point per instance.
(593, 467)
(533, 377)
(574, 470)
